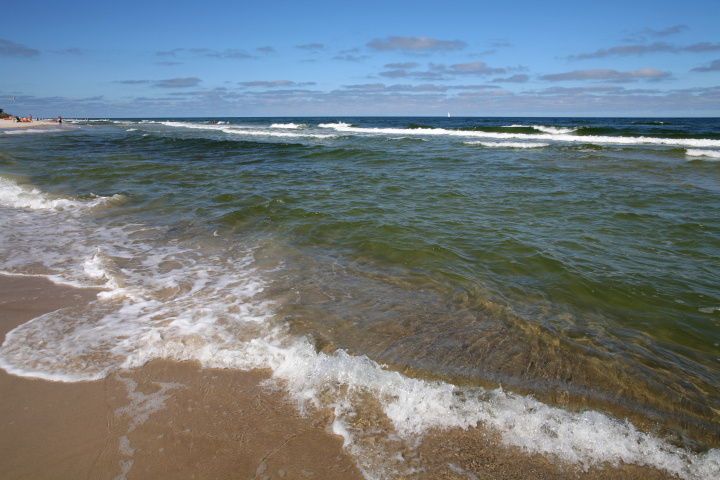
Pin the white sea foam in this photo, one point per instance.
(287, 125)
(247, 130)
(141, 407)
(265, 133)
(166, 298)
(710, 309)
(554, 130)
(24, 131)
(414, 407)
(14, 195)
(47, 231)
(408, 138)
(545, 129)
(509, 144)
(557, 137)
(714, 154)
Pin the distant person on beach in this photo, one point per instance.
(59, 119)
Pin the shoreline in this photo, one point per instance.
(168, 419)
(9, 124)
(161, 420)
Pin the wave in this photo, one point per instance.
(585, 147)
(558, 137)
(510, 144)
(288, 125)
(127, 328)
(26, 131)
(546, 129)
(244, 130)
(16, 196)
(168, 298)
(714, 154)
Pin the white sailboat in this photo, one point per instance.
(448, 114)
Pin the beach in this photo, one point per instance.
(177, 420)
(379, 298)
(163, 420)
(11, 125)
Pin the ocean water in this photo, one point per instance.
(553, 280)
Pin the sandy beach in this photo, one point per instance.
(170, 420)
(9, 124)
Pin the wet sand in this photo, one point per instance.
(169, 420)
(164, 420)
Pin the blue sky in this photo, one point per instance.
(319, 58)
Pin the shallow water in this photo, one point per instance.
(571, 260)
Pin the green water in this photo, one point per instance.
(584, 272)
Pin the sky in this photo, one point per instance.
(221, 58)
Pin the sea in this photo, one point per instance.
(554, 281)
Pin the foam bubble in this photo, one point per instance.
(142, 406)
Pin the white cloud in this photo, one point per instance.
(713, 67)
(607, 74)
(12, 49)
(179, 82)
(275, 83)
(415, 44)
(517, 78)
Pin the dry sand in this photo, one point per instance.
(169, 420)
(9, 124)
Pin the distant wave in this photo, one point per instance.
(546, 129)
(558, 137)
(246, 130)
(287, 125)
